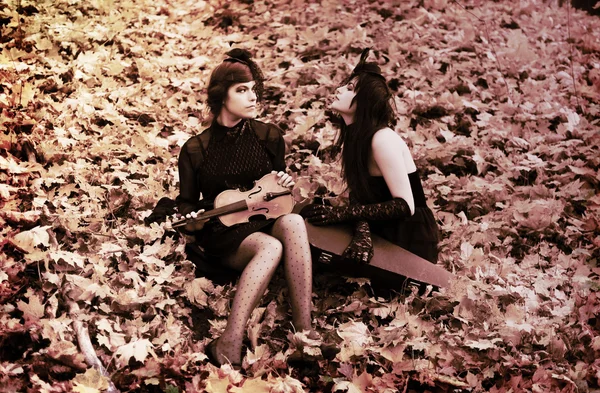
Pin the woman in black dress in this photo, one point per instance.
(234, 152)
(386, 195)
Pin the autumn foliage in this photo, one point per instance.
(499, 101)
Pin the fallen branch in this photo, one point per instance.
(86, 347)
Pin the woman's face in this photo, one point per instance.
(343, 100)
(241, 101)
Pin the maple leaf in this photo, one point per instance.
(393, 353)
(359, 384)
(217, 385)
(29, 240)
(6, 190)
(172, 335)
(136, 348)
(70, 258)
(520, 50)
(452, 381)
(301, 339)
(252, 385)
(287, 384)
(196, 291)
(354, 332)
(90, 382)
(151, 369)
(44, 387)
(482, 344)
(79, 388)
(33, 311)
(356, 336)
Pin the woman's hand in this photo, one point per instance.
(360, 249)
(283, 179)
(194, 225)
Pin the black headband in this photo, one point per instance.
(235, 60)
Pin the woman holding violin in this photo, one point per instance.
(233, 153)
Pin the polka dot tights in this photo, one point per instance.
(257, 257)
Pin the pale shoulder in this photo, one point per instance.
(386, 139)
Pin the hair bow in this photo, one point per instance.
(370, 67)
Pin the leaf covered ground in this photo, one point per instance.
(497, 99)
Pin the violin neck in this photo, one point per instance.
(227, 209)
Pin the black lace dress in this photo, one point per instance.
(418, 234)
(223, 158)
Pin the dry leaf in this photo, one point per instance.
(33, 311)
(90, 382)
(29, 240)
(138, 349)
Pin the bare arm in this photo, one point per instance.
(394, 162)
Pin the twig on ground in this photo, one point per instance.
(85, 345)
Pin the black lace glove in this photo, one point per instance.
(326, 215)
(360, 249)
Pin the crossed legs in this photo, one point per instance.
(258, 257)
(291, 231)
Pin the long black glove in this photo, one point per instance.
(360, 249)
(325, 215)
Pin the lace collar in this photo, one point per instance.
(229, 133)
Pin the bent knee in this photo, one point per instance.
(292, 219)
(268, 244)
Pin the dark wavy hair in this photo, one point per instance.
(375, 109)
(238, 67)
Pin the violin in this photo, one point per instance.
(266, 198)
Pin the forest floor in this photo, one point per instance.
(498, 101)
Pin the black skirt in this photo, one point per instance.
(418, 234)
(218, 240)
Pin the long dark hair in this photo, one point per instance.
(374, 110)
(238, 67)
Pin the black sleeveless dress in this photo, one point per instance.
(419, 233)
(233, 158)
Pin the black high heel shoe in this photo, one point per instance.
(211, 353)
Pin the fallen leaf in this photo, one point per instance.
(29, 240)
(90, 382)
(33, 311)
(138, 349)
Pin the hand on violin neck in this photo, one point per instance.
(194, 224)
(283, 179)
